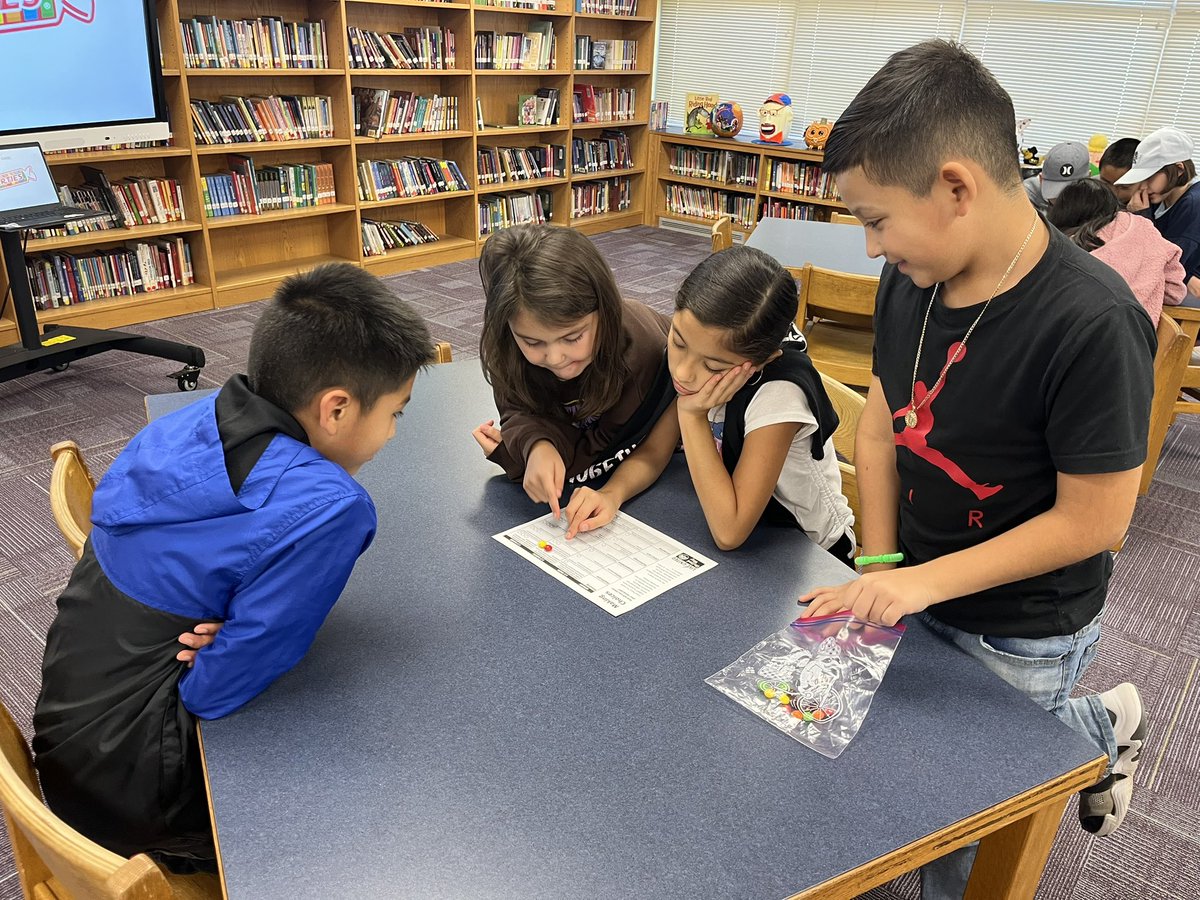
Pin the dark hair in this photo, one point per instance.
(1119, 154)
(746, 292)
(1082, 209)
(932, 102)
(558, 276)
(1178, 177)
(335, 326)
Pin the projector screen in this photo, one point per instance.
(80, 73)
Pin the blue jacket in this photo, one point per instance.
(1181, 225)
(217, 512)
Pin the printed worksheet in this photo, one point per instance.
(618, 567)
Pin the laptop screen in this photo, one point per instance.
(24, 178)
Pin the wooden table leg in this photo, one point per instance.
(1010, 861)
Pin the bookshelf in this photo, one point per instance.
(751, 181)
(241, 257)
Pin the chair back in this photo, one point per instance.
(1170, 364)
(1187, 318)
(442, 352)
(841, 218)
(850, 492)
(53, 860)
(71, 489)
(722, 234)
(841, 297)
(849, 406)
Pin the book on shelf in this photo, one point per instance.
(539, 108)
(697, 113)
(86, 196)
(378, 112)
(533, 49)
(725, 166)
(408, 176)
(600, 104)
(658, 114)
(138, 201)
(499, 211)
(379, 236)
(709, 203)
(504, 165)
(598, 198)
(252, 119)
(268, 42)
(537, 5)
(244, 190)
(413, 48)
(608, 151)
(613, 55)
(607, 7)
(139, 267)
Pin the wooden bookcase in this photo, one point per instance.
(242, 258)
(758, 196)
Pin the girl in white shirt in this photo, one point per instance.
(754, 418)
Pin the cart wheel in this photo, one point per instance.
(188, 381)
(61, 367)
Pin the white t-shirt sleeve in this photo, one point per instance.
(780, 401)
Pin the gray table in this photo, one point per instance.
(467, 727)
(794, 243)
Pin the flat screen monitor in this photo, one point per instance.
(80, 73)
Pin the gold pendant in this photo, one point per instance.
(910, 418)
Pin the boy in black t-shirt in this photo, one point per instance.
(1005, 428)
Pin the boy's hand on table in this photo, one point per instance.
(879, 597)
(487, 436)
(589, 510)
(545, 472)
(197, 639)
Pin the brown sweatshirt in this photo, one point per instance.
(646, 394)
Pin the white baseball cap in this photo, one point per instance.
(1158, 149)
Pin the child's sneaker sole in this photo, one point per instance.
(1102, 807)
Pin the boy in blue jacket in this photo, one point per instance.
(239, 509)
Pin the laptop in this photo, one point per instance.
(28, 196)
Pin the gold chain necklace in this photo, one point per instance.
(910, 417)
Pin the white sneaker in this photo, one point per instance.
(1102, 807)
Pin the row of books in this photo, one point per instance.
(541, 5)
(246, 120)
(607, 7)
(658, 114)
(533, 49)
(590, 103)
(540, 108)
(609, 151)
(63, 279)
(378, 111)
(809, 179)
(85, 196)
(597, 198)
(378, 237)
(725, 166)
(499, 211)
(138, 201)
(267, 42)
(782, 209)
(708, 203)
(414, 48)
(604, 54)
(247, 190)
(408, 176)
(500, 165)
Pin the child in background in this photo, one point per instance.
(1164, 176)
(1089, 214)
(241, 509)
(579, 375)
(1116, 161)
(1002, 442)
(756, 423)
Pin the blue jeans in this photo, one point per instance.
(1046, 670)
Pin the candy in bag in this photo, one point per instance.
(813, 679)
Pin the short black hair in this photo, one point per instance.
(1119, 154)
(929, 103)
(335, 326)
(1082, 210)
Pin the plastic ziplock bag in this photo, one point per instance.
(814, 679)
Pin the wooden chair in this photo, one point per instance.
(55, 862)
(71, 489)
(849, 405)
(1170, 368)
(841, 218)
(722, 234)
(442, 352)
(835, 312)
(1188, 318)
